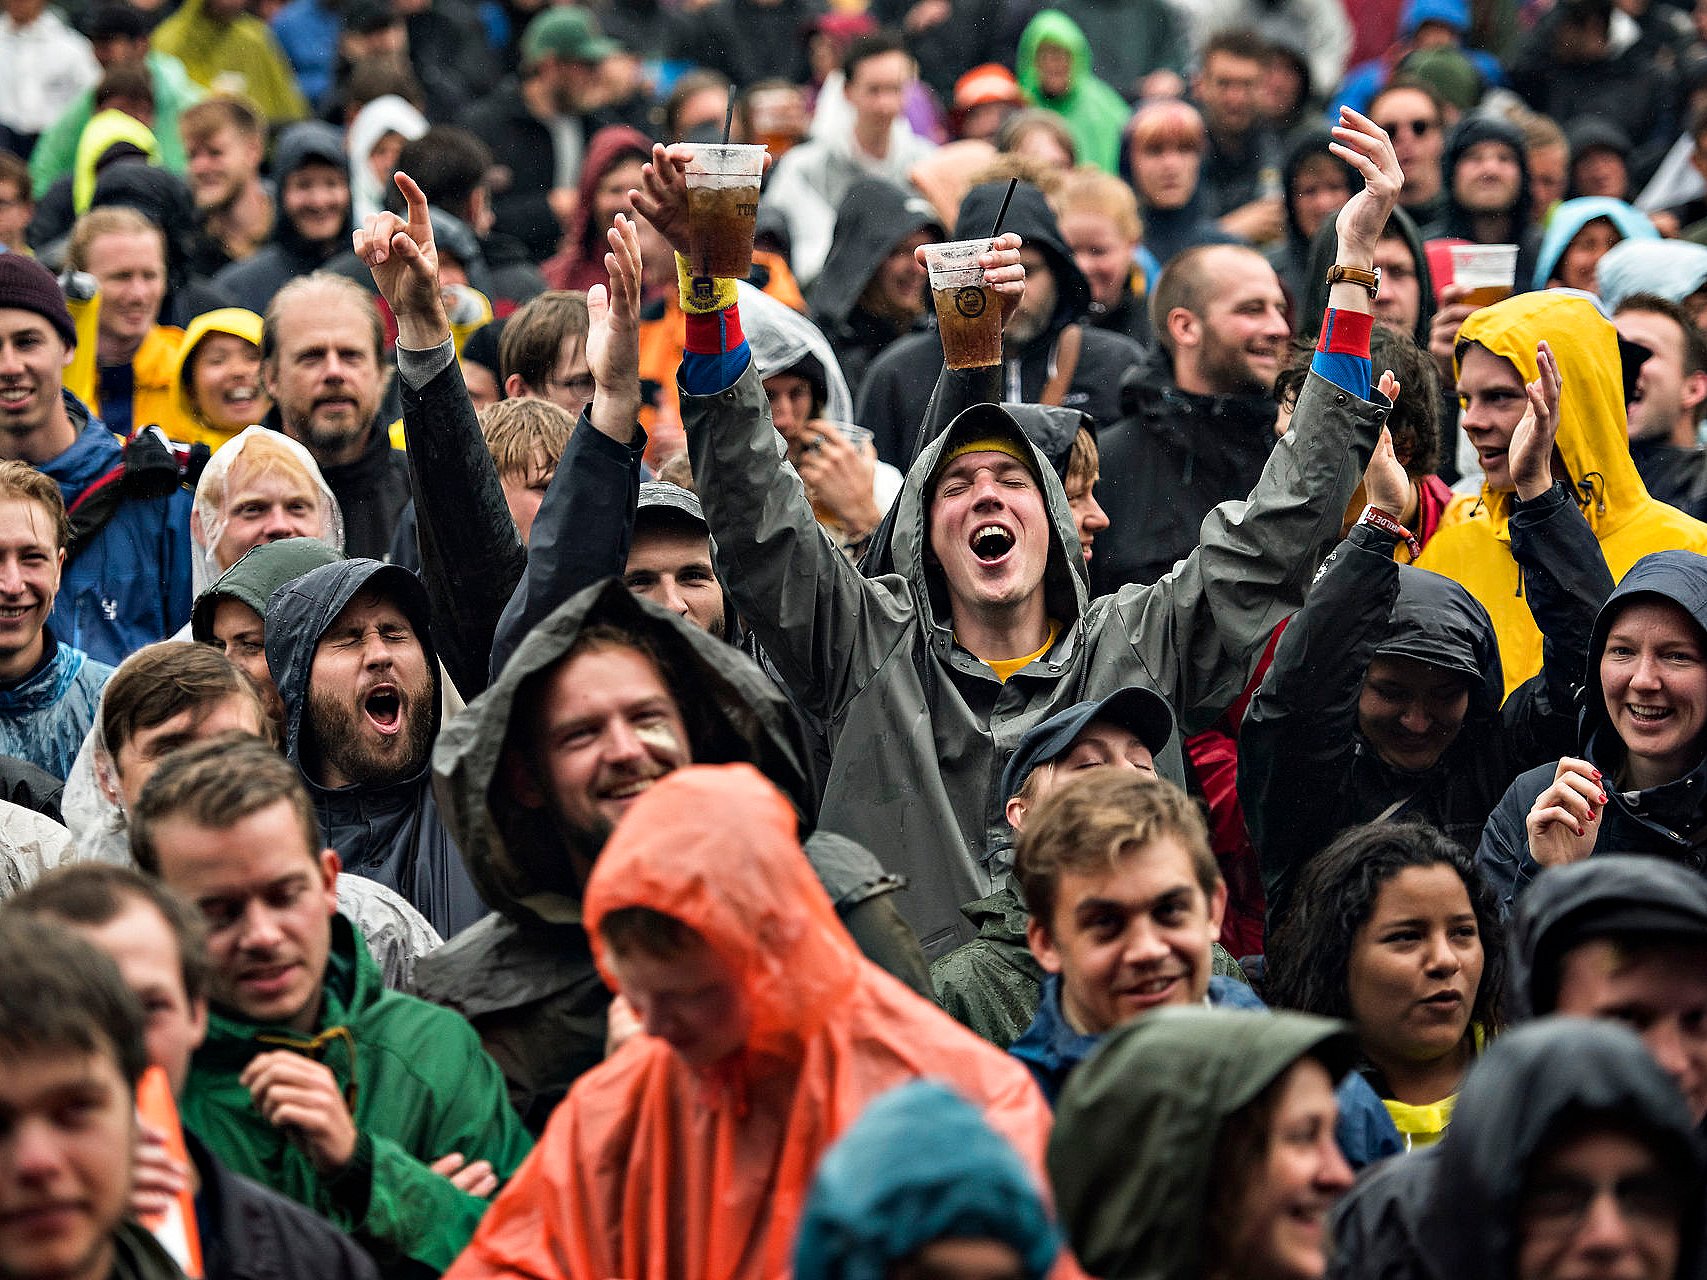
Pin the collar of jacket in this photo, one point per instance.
(47, 684)
(1673, 812)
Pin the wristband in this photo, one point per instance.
(702, 295)
(1376, 518)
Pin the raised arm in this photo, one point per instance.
(471, 555)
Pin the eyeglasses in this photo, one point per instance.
(1558, 1205)
(1416, 128)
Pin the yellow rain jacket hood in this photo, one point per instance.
(1473, 545)
(190, 425)
(106, 129)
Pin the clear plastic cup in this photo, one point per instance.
(723, 205)
(1489, 271)
(968, 312)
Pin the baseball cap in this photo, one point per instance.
(1142, 712)
(569, 33)
(985, 84)
(660, 500)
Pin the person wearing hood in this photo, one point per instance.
(164, 199)
(1579, 234)
(112, 140)
(311, 169)
(1315, 183)
(1050, 356)
(1585, 59)
(986, 627)
(1573, 1155)
(217, 377)
(1665, 405)
(1384, 698)
(377, 1110)
(1634, 785)
(871, 291)
(1200, 1142)
(374, 139)
(1624, 940)
(1600, 159)
(1197, 415)
(1487, 189)
(1671, 269)
(609, 171)
(351, 650)
(718, 1119)
(1497, 354)
(1053, 67)
(920, 1181)
(1163, 162)
(223, 47)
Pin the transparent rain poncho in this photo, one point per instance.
(270, 452)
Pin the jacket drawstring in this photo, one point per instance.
(1593, 489)
(314, 1047)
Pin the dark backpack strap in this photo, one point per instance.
(90, 510)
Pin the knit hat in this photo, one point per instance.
(28, 286)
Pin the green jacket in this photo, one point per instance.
(422, 1088)
(1095, 114)
(56, 149)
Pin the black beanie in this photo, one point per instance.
(29, 286)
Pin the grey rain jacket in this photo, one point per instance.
(524, 976)
(389, 833)
(919, 728)
(1668, 821)
(1306, 772)
(1450, 1212)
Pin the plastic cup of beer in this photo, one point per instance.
(723, 204)
(1488, 271)
(968, 312)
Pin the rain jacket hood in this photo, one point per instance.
(581, 263)
(1437, 622)
(237, 322)
(1030, 216)
(307, 142)
(1131, 1157)
(1679, 577)
(1470, 131)
(387, 114)
(261, 571)
(518, 856)
(1672, 269)
(652, 1168)
(207, 519)
(1094, 112)
(105, 130)
(1572, 216)
(871, 220)
(784, 341)
(919, 1165)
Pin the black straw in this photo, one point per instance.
(1003, 211)
(729, 115)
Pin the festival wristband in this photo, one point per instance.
(1376, 518)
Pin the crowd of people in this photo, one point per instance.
(521, 755)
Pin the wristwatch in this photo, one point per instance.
(1370, 280)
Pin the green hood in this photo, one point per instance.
(261, 571)
(1051, 26)
(1137, 1125)
(1093, 112)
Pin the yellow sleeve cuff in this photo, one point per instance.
(702, 295)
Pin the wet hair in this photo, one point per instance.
(203, 119)
(125, 81)
(533, 336)
(1235, 42)
(526, 436)
(1084, 463)
(1694, 341)
(1095, 822)
(23, 483)
(63, 994)
(165, 679)
(628, 930)
(1415, 420)
(448, 164)
(1310, 948)
(1540, 132)
(263, 454)
(326, 282)
(1029, 120)
(1011, 164)
(1087, 189)
(96, 893)
(216, 784)
(864, 48)
(108, 220)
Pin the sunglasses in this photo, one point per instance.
(1416, 128)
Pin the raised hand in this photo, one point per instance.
(1385, 483)
(1564, 821)
(613, 335)
(663, 195)
(1531, 450)
(1365, 146)
(405, 266)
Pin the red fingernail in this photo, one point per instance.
(1603, 797)
(1597, 775)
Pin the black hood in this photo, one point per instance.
(1437, 621)
(1325, 248)
(1567, 906)
(1537, 1083)
(1677, 576)
(1030, 217)
(872, 219)
(517, 856)
(1308, 143)
(1468, 132)
(164, 200)
(299, 613)
(309, 140)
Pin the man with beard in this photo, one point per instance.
(351, 652)
(1197, 420)
(224, 139)
(312, 221)
(323, 363)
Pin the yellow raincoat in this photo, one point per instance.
(188, 423)
(1473, 545)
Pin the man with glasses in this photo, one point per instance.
(543, 352)
(1415, 117)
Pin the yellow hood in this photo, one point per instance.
(233, 320)
(103, 130)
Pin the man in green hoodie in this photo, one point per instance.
(376, 1110)
(1054, 69)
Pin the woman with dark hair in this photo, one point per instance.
(1392, 929)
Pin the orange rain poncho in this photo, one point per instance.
(650, 1170)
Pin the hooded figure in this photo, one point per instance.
(1132, 1157)
(1325, 249)
(654, 1168)
(1094, 112)
(1306, 769)
(195, 426)
(163, 198)
(1668, 821)
(1670, 269)
(874, 220)
(1457, 222)
(1570, 217)
(919, 1165)
(784, 341)
(388, 832)
(1474, 542)
(252, 282)
(1291, 259)
(105, 131)
(1068, 363)
(1453, 1211)
(524, 975)
(383, 116)
(234, 52)
(208, 517)
(580, 263)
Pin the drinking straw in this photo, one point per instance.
(1000, 213)
(729, 118)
